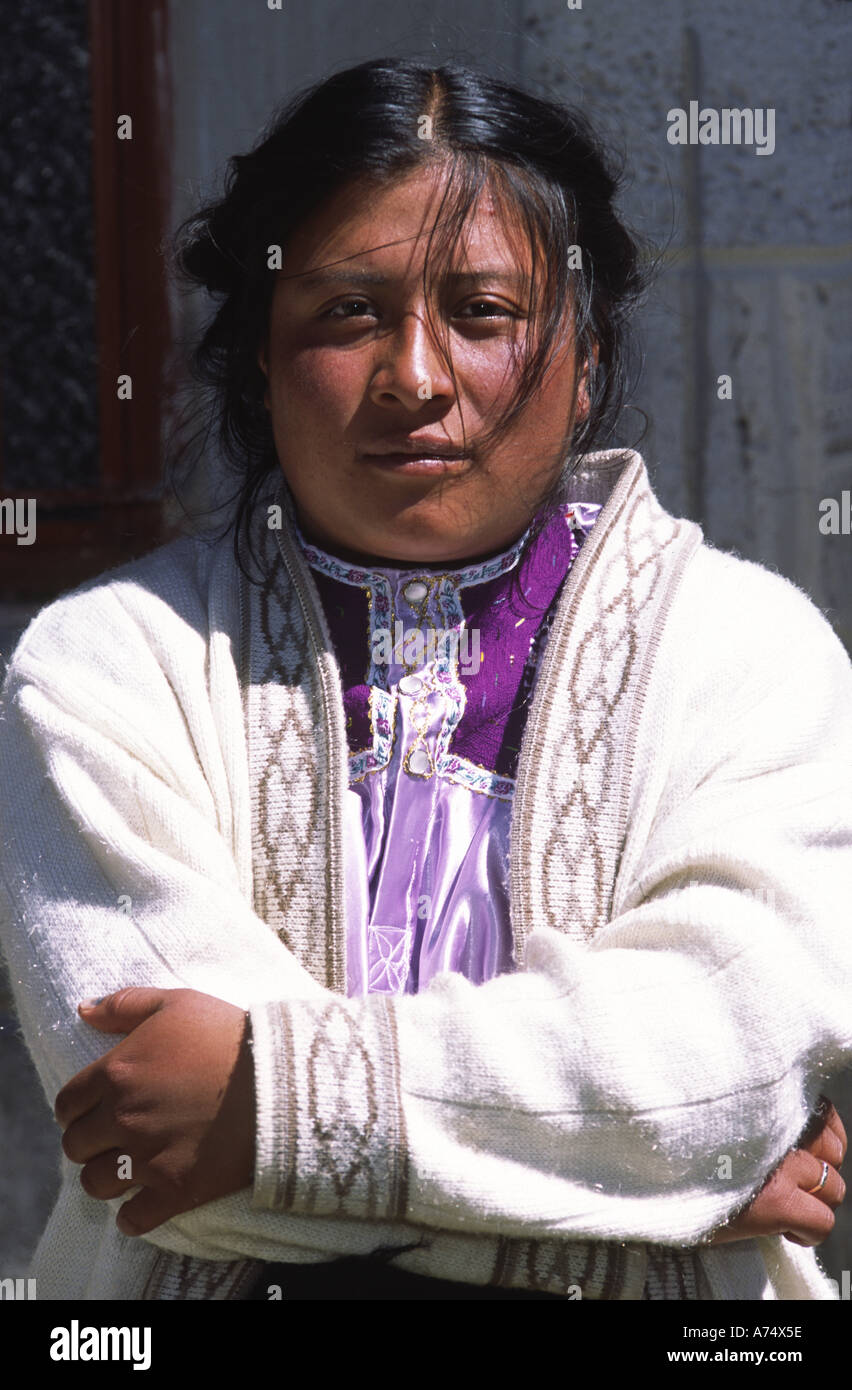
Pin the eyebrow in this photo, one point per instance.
(313, 279)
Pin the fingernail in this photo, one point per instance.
(93, 1003)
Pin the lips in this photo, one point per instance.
(416, 465)
(423, 456)
(423, 447)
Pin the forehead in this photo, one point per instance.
(388, 225)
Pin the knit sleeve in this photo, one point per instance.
(116, 866)
(642, 1085)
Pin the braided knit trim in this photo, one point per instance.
(182, 1278)
(569, 811)
(297, 762)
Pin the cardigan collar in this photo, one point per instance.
(476, 629)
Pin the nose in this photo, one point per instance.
(409, 368)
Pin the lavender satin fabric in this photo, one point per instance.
(438, 670)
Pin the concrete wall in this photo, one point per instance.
(759, 282)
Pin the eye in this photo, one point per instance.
(334, 313)
(494, 309)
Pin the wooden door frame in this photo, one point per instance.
(81, 531)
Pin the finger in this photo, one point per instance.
(785, 1203)
(108, 1175)
(824, 1135)
(79, 1095)
(826, 1117)
(142, 1213)
(826, 1145)
(836, 1125)
(831, 1192)
(93, 1133)
(810, 1220)
(123, 1011)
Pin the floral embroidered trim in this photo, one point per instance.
(380, 613)
(361, 578)
(476, 778)
(443, 589)
(382, 706)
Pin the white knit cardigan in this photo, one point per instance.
(172, 773)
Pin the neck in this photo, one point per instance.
(373, 561)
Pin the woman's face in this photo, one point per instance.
(355, 384)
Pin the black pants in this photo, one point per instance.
(354, 1277)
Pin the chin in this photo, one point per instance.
(398, 551)
(425, 544)
(413, 535)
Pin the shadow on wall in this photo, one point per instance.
(29, 1147)
(29, 1136)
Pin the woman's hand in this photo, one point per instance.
(170, 1109)
(785, 1204)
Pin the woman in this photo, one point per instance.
(513, 962)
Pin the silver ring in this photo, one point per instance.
(821, 1184)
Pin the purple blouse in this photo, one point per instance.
(438, 668)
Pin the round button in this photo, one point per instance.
(416, 591)
(418, 762)
(409, 685)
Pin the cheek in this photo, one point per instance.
(486, 375)
(320, 383)
(554, 400)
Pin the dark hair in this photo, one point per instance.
(538, 158)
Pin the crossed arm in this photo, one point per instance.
(190, 1129)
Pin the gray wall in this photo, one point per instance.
(759, 283)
